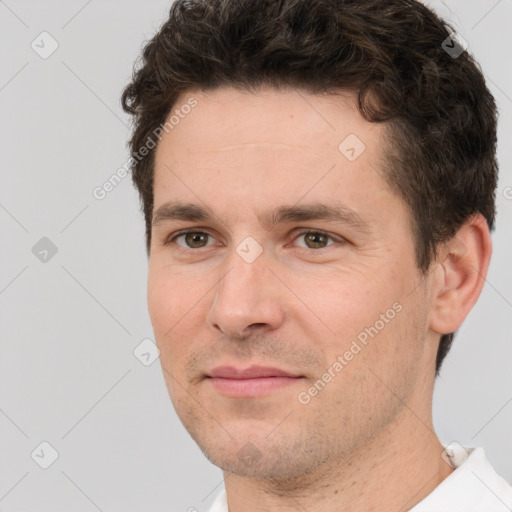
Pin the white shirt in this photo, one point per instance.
(474, 486)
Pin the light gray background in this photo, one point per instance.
(70, 325)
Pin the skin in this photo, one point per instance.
(366, 440)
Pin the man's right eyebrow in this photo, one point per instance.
(181, 211)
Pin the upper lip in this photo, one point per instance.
(253, 372)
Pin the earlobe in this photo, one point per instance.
(463, 262)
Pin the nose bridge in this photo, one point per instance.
(244, 282)
(250, 267)
(246, 294)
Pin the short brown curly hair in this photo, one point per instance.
(440, 117)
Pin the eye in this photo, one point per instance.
(191, 239)
(314, 239)
(307, 239)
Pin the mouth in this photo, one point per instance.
(252, 382)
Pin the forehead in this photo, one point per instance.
(284, 130)
(242, 154)
(225, 117)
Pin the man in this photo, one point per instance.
(317, 180)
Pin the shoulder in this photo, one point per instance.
(474, 486)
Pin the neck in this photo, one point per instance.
(392, 472)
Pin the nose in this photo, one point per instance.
(248, 299)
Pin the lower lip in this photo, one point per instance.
(251, 388)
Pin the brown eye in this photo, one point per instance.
(193, 240)
(315, 239)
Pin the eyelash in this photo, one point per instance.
(302, 232)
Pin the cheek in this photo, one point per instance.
(364, 313)
(165, 306)
(176, 306)
(340, 302)
(170, 297)
(160, 302)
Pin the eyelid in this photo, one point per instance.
(305, 231)
(172, 237)
(297, 233)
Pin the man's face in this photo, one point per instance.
(299, 270)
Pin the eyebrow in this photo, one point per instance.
(175, 210)
(180, 211)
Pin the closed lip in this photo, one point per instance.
(252, 372)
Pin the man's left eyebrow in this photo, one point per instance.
(317, 211)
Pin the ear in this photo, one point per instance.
(460, 275)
